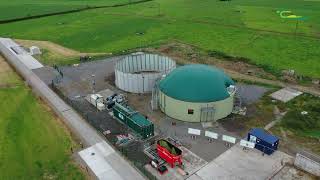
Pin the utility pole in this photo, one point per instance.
(295, 32)
(93, 83)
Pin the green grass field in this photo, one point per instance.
(33, 144)
(297, 130)
(242, 28)
(17, 9)
(304, 125)
(9, 78)
(49, 58)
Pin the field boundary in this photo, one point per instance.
(302, 35)
(77, 125)
(6, 21)
(233, 74)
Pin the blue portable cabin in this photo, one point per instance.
(263, 140)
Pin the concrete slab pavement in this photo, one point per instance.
(106, 164)
(236, 163)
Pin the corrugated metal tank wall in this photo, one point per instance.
(179, 109)
(138, 73)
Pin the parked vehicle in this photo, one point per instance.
(154, 163)
(110, 104)
(110, 98)
(119, 98)
(161, 168)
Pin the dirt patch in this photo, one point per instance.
(4, 66)
(141, 103)
(56, 54)
(110, 79)
(8, 77)
(55, 48)
(292, 143)
(233, 124)
(258, 114)
(241, 124)
(290, 172)
(237, 69)
(185, 54)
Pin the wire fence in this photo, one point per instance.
(98, 121)
(138, 165)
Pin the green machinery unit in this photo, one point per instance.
(134, 120)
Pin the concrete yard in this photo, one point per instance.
(81, 76)
(291, 173)
(224, 161)
(191, 163)
(46, 74)
(77, 80)
(201, 146)
(237, 163)
(106, 164)
(285, 94)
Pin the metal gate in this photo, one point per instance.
(207, 114)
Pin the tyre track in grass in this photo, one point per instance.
(195, 21)
(87, 8)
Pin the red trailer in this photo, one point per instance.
(168, 152)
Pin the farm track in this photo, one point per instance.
(56, 48)
(305, 89)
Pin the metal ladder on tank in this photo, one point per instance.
(155, 95)
(237, 104)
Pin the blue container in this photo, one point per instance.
(264, 141)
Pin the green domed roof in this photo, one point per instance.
(196, 83)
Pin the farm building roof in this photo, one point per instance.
(196, 83)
